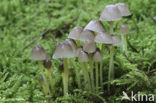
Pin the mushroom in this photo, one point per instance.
(97, 57)
(38, 53)
(83, 58)
(64, 50)
(75, 34)
(86, 35)
(111, 13)
(123, 9)
(89, 46)
(124, 30)
(95, 26)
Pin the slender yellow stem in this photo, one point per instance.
(101, 63)
(91, 71)
(49, 74)
(65, 76)
(97, 75)
(44, 78)
(77, 73)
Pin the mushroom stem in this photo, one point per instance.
(92, 70)
(111, 27)
(111, 65)
(124, 43)
(101, 71)
(49, 74)
(44, 78)
(77, 73)
(86, 75)
(97, 75)
(65, 76)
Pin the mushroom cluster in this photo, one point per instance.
(85, 48)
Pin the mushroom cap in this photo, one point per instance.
(38, 53)
(89, 46)
(103, 37)
(116, 40)
(124, 29)
(97, 56)
(64, 50)
(123, 9)
(75, 33)
(95, 25)
(111, 13)
(86, 35)
(83, 56)
(78, 50)
(72, 43)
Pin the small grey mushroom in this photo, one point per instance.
(89, 46)
(97, 56)
(123, 9)
(38, 53)
(95, 26)
(111, 13)
(75, 33)
(83, 56)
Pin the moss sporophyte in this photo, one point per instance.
(84, 51)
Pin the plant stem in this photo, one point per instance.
(124, 43)
(86, 75)
(101, 71)
(111, 27)
(77, 73)
(92, 71)
(49, 74)
(97, 75)
(65, 76)
(111, 65)
(44, 78)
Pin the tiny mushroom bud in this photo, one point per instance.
(61, 68)
(38, 53)
(123, 9)
(75, 32)
(95, 25)
(103, 37)
(124, 29)
(86, 35)
(89, 46)
(47, 63)
(97, 56)
(111, 13)
(83, 56)
(41, 80)
(116, 40)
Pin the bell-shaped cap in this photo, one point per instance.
(103, 37)
(89, 46)
(75, 33)
(86, 35)
(72, 43)
(123, 9)
(124, 29)
(97, 56)
(95, 25)
(63, 50)
(38, 53)
(111, 13)
(78, 50)
(83, 56)
(116, 40)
